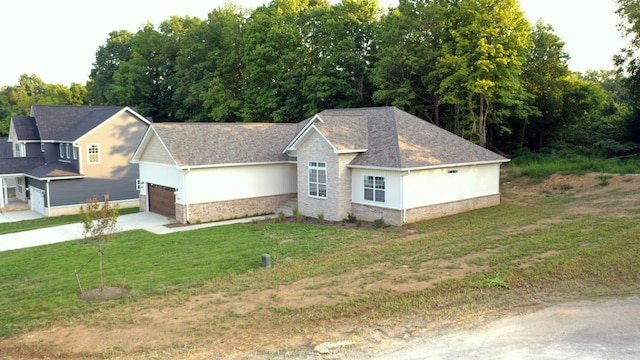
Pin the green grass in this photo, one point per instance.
(38, 284)
(539, 166)
(26, 225)
(525, 251)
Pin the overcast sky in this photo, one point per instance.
(57, 40)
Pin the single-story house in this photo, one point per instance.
(63, 155)
(370, 163)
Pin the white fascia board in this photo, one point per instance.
(292, 144)
(135, 113)
(306, 134)
(12, 175)
(57, 177)
(209, 166)
(145, 141)
(431, 167)
(126, 108)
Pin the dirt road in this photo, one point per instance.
(579, 330)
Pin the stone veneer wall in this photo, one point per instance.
(143, 202)
(232, 209)
(75, 209)
(338, 202)
(394, 216)
(450, 208)
(371, 213)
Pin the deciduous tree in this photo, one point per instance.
(99, 222)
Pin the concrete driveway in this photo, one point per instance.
(55, 234)
(148, 221)
(579, 330)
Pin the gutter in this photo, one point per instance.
(430, 167)
(184, 190)
(3, 194)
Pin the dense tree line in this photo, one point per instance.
(475, 67)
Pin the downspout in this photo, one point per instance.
(3, 194)
(48, 212)
(184, 190)
(404, 210)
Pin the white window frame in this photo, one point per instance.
(19, 150)
(93, 152)
(75, 153)
(61, 151)
(375, 188)
(317, 179)
(68, 150)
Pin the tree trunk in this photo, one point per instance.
(101, 278)
(436, 110)
(482, 123)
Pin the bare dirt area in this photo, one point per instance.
(238, 323)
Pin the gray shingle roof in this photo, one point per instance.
(346, 131)
(25, 128)
(199, 144)
(399, 140)
(56, 121)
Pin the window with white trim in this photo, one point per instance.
(318, 179)
(75, 153)
(61, 151)
(68, 150)
(374, 188)
(17, 150)
(93, 152)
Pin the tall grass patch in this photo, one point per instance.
(539, 166)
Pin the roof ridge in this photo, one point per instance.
(396, 135)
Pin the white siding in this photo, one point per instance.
(429, 187)
(159, 174)
(239, 182)
(393, 187)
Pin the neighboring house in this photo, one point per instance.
(64, 155)
(7, 185)
(370, 163)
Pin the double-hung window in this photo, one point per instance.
(93, 151)
(61, 151)
(318, 179)
(374, 188)
(68, 151)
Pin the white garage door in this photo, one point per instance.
(37, 199)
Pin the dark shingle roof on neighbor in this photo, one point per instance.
(67, 123)
(201, 144)
(57, 169)
(25, 128)
(6, 148)
(19, 165)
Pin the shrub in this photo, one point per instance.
(350, 218)
(379, 223)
